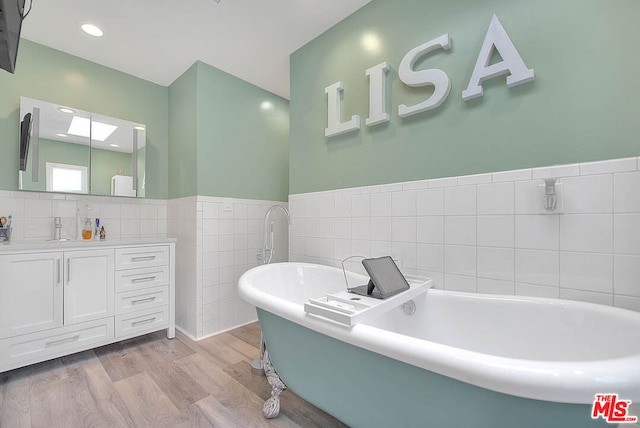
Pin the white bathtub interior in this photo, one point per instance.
(516, 327)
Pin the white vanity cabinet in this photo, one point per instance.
(142, 289)
(88, 285)
(81, 296)
(30, 293)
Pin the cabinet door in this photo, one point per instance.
(89, 285)
(30, 293)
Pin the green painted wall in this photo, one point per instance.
(50, 75)
(243, 138)
(225, 141)
(222, 142)
(182, 134)
(581, 107)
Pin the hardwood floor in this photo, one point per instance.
(152, 381)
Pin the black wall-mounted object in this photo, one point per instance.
(11, 16)
(25, 136)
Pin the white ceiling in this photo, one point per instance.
(157, 40)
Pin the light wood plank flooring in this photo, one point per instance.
(152, 381)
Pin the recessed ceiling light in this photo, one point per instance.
(66, 110)
(62, 135)
(92, 30)
(114, 145)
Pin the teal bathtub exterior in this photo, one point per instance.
(368, 390)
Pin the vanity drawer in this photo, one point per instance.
(136, 279)
(137, 300)
(138, 257)
(128, 325)
(28, 348)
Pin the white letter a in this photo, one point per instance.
(498, 39)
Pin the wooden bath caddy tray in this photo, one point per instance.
(349, 308)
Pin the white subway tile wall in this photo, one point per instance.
(123, 218)
(218, 240)
(484, 233)
(489, 233)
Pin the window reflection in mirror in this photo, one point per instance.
(93, 153)
(66, 178)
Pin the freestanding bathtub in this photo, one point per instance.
(461, 360)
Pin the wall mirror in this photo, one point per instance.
(68, 150)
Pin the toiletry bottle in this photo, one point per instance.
(57, 228)
(103, 234)
(79, 223)
(87, 230)
(96, 233)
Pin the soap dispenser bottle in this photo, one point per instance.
(87, 229)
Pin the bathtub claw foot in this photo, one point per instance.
(271, 407)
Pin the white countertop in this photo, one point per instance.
(79, 244)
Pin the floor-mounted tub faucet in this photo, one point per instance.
(265, 254)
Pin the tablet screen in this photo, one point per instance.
(385, 275)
